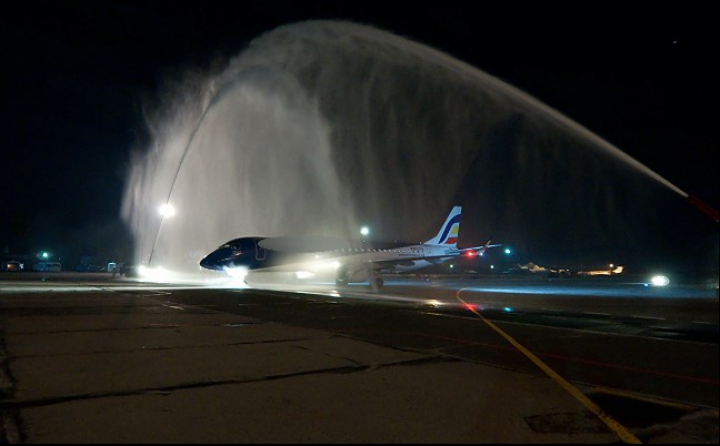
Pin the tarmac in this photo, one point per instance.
(121, 368)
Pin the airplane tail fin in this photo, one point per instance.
(449, 231)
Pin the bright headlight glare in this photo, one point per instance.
(659, 280)
(237, 272)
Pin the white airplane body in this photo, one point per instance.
(348, 261)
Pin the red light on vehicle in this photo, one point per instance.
(471, 253)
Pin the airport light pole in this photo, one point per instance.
(166, 210)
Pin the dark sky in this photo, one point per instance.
(76, 75)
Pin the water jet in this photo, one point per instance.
(320, 125)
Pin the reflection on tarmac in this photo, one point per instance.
(580, 287)
(594, 297)
(664, 306)
(395, 286)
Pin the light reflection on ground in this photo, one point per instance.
(396, 287)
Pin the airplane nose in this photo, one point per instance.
(206, 263)
(212, 261)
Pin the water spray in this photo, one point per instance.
(167, 204)
(319, 125)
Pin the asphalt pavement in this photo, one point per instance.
(97, 365)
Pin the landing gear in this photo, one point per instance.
(342, 277)
(377, 282)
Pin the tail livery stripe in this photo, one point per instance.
(449, 235)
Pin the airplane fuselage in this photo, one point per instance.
(348, 261)
(247, 252)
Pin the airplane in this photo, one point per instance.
(349, 261)
(610, 271)
(532, 267)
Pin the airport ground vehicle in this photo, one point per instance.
(12, 266)
(129, 270)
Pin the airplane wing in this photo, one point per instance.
(384, 263)
(482, 248)
(403, 260)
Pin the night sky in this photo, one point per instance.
(77, 76)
